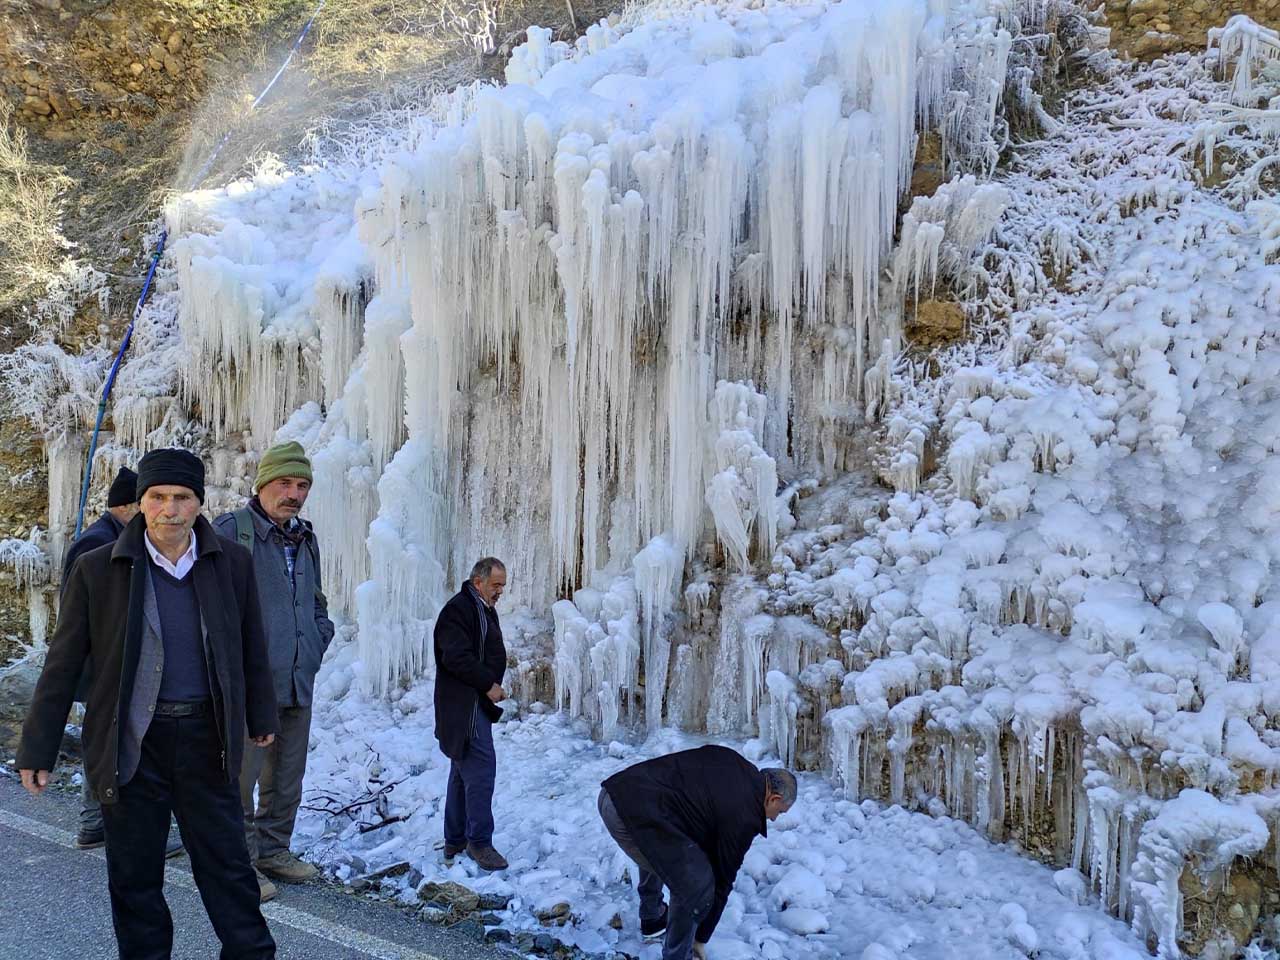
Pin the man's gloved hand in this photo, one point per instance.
(700, 951)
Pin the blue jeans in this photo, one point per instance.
(468, 804)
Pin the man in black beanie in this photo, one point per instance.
(169, 617)
(122, 506)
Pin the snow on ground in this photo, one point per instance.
(834, 878)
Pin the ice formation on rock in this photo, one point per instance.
(521, 331)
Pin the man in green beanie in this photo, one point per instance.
(286, 562)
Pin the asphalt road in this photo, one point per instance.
(54, 904)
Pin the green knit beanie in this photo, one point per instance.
(283, 460)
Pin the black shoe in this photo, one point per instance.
(88, 839)
(651, 929)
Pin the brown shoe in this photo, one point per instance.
(266, 889)
(486, 857)
(451, 850)
(285, 866)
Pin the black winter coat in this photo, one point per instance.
(102, 531)
(101, 618)
(712, 796)
(466, 667)
(98, 534)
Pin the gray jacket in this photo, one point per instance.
(295, 613)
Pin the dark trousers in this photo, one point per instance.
(692, 885)
(468, 803)
(277, 771)
(90, 809)
(179, 771)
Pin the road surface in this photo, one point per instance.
(56, 905)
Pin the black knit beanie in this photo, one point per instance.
(179, 468)
(124, 489)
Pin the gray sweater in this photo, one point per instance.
(295, 612)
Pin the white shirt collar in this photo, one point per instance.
(185, 562)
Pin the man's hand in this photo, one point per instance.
(263, 741)
(496, 694)
(700, 951)
(35, 781)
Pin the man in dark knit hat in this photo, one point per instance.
(295, 614)
(122, 506)
(169, 617)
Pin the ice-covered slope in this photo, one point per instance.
(833, 879)
(517, 318)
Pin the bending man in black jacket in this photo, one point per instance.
(687, 820)
(470, 661)
(169, 617)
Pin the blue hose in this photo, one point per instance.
(111, 377)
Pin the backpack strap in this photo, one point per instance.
(244, 527)
(244, 536)
(314, 550)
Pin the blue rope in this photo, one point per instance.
(151, 272)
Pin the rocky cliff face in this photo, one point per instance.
(1150, 28)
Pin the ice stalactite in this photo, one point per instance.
(658, 570)
(341, 319)
(941, 233)
(255, 302)
(737, 683)
(572, 656)
(30, 565)
(65, 456)
(385, 322)
(598, 651)
(1252, 46)
(407, 583)
(848, 725)
(144, 405)
(612, 281)
(742, 494)
(1194, 826)
(879, 382)
(778, 726)
(344, 493)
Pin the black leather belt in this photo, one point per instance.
(182, 708)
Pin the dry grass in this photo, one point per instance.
(32, 247)
(102, 191)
